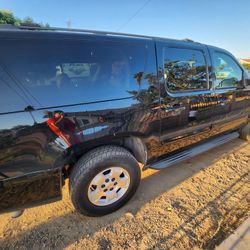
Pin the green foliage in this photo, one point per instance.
(247, 66)
(7, 17)
(28, 20)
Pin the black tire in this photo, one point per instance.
(245, 132)
(94, 162)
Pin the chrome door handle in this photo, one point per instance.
(177, 108)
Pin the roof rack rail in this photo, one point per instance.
(187, 40)
(8, 26)
(108, 33)
(34, 27)
(30, 25)
(25, 26)
(22, 26)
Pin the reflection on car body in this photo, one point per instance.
(89, 107)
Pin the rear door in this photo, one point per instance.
(187, 100)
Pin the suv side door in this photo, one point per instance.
(232, 95)
(187, 99)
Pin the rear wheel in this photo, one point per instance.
(245, 132)
(103, 180)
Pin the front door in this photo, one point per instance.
(232, 96)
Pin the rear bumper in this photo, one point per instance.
(30, 190)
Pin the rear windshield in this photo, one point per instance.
(61, 72)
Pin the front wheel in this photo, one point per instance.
(103, 180)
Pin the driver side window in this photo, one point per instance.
(227, 72)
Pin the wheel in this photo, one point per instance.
(103, 180)
(245, 132)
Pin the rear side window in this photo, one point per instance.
(228, 73)
(62, 72)
(184, 69)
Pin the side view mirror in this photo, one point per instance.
(247, 78)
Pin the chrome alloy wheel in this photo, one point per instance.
(108, 186)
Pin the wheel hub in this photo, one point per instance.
(108, 186)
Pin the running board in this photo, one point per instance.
(186, 154)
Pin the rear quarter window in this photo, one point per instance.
(64, 72)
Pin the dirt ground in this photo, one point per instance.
(194, 205)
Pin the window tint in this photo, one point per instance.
(227, 71)
(60, 72)
(184, 69)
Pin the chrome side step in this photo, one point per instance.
(186, 154)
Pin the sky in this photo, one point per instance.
(222, 23)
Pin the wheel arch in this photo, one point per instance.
(133, 144)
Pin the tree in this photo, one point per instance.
(7, 17)
(28, 20)
(247, 66)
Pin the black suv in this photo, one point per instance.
(97, 107)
